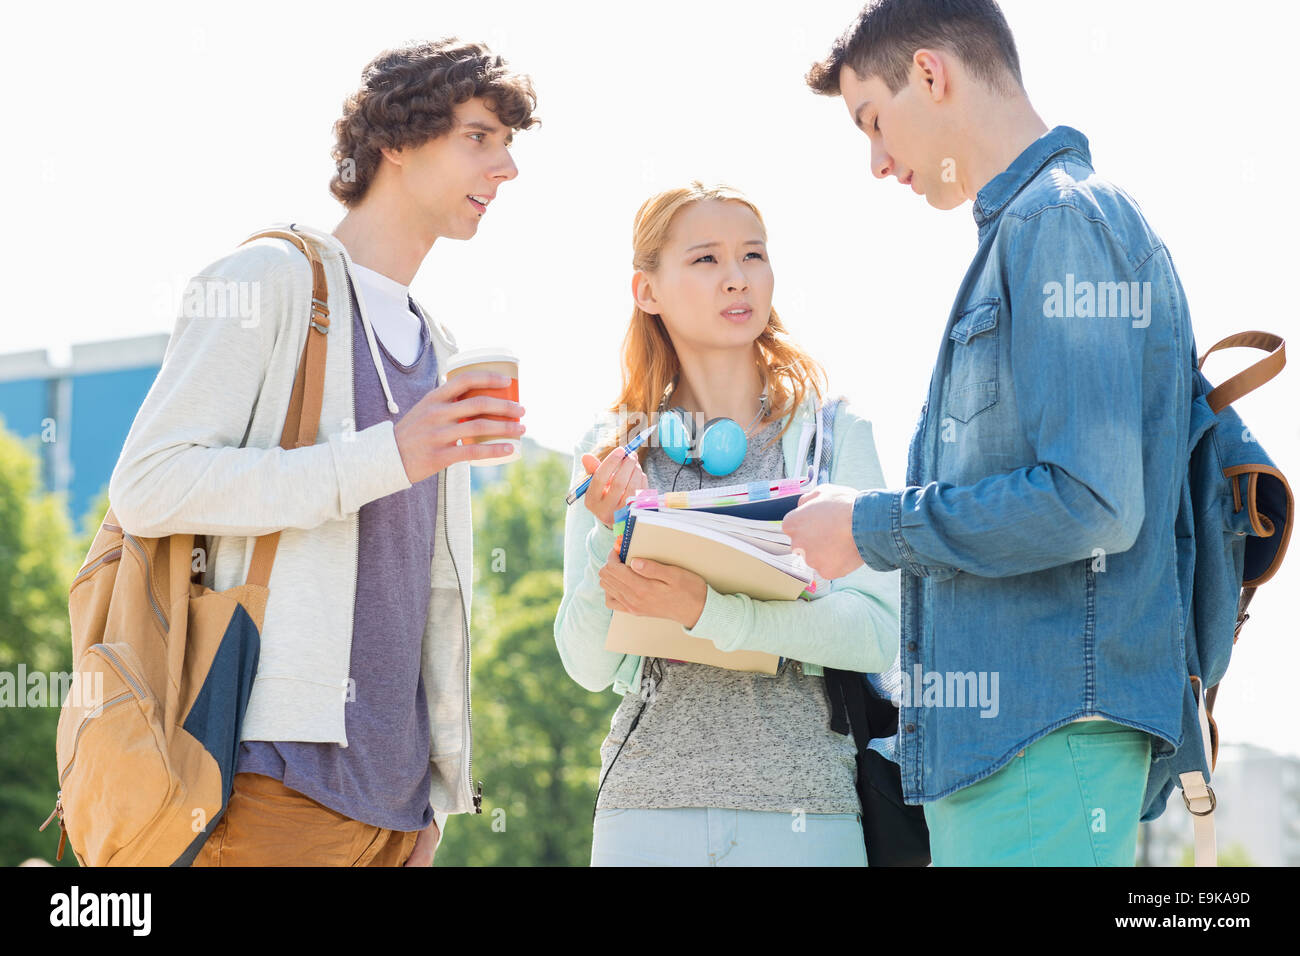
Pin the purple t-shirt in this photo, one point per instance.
(382, 777)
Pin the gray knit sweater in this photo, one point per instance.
(711, 737)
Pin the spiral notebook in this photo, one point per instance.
(732, 538)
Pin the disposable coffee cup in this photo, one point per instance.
(499, 362)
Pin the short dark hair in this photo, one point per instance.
(407, 97)
(889, 32)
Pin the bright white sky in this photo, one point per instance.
(144, 141)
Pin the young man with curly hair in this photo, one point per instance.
(355, 745)
(1036, 530)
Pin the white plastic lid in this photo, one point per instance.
(477, 356)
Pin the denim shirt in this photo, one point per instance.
(1036, 531)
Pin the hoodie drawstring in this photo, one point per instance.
(365, 321)
(370, 340)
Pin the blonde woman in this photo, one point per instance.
(703, 765)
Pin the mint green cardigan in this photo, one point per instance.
(850, 625)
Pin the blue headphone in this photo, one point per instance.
(720, 447)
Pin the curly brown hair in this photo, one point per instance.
(407, 97)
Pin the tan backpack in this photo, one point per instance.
(163, 667)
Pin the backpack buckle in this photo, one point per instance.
(1200, 813)
(321, 311)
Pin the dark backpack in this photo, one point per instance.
(895, 833)
(1232, 528)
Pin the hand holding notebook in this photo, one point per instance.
(731, 537)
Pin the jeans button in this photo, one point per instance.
(911, 645)
(911, 728)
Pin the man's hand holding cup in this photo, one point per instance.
(427, 435)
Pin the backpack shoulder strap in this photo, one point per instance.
(818, 453)
(303, 419)
(1198, 795)
(1246, 381)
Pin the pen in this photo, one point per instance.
(630, 447)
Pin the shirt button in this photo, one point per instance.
(911, 728)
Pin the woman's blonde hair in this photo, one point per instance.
(650, 362)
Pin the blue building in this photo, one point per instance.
(75, 417)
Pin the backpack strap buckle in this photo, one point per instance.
(1200, 813)
(320, 311)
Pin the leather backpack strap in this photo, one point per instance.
(1246, 381)
(303, 419)
(179, 563)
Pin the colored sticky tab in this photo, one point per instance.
(647, 497)
(676, 499)
(759, 490)
(620, 515)
(788, 485)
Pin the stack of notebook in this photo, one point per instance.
(732, 538)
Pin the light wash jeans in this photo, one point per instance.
(708, 836)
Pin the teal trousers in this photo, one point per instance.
(1071, 798)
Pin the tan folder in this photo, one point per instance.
(727, 571)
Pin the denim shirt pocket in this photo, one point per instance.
(973, 374)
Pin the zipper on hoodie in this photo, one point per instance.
(356, 533)
(477, 798)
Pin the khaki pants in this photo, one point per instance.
(268, 824)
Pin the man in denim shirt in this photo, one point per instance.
(1042, 664)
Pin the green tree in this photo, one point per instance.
(537, 733)
(37, 563)
(519, 523)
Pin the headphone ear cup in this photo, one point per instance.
(722, 446)
(675, 435)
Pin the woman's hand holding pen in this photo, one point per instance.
(650, 589)
(646, 588)
(613, 481)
